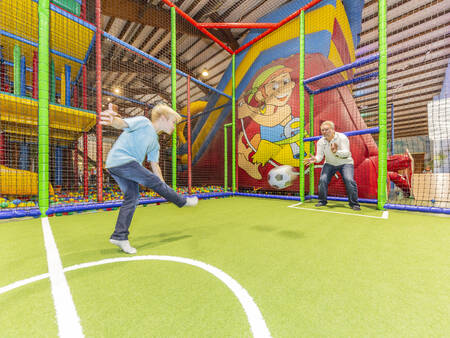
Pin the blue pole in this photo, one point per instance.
(355, 64)
(23, 79)
(392, 129)
(23, 159)
(58, 160)
(67, 69)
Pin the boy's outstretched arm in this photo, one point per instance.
(112, 118)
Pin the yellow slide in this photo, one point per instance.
(196, 107)
(19, 182)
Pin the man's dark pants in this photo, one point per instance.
(129, 176)
(346, 171)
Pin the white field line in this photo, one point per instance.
(257, 324)
(66, 314)
(23, 282)
(385, 214)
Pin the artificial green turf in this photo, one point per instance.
(22, 252)
(28, 311)
(310, 273)
(155, 299)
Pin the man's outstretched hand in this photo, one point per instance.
(309, 160)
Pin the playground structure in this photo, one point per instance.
(50, 127)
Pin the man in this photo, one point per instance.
(124, 163)
(336, 149)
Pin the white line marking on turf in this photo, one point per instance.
(255, 318)
(23, 282)
(383, 216)
(66, 314)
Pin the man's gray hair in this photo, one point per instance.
(330, 123)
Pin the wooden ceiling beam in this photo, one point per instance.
(426, 82)
(404, 124)
(144, 14)
(414, 62)
(422, 92)
(419, 113)
(410, 133)
(150, 15)
(402, 101)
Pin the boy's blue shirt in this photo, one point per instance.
(135, 142)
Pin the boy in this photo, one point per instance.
(124, 163)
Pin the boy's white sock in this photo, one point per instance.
(124, 246)
(191, 201)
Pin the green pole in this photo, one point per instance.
(225, 157)
(382, 105)
(52, 82)
(43, 87)
(233, 122)
(301, 133)
(17, 70)
(173, 27)
(311, 147)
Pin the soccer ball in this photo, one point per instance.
(281, 177)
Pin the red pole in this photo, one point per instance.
(2, 148)
(85, 165)
(84, 88)
(2, 76)
(35, 74)
(85, 137)
(75, 164)
(98, 83)
(83, 10)
(189, 134)
(230, 25)
(201, 29)
(281, 23)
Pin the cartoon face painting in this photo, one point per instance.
(267, 104)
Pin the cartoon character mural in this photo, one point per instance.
(268, 104)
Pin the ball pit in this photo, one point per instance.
(110, 194)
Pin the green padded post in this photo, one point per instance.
(311, 147)
(382, 105)
(173, 27)
(43, 91)
(17, 70)
(52, 82)
(233, 122)
(225, 157)
(302, 107)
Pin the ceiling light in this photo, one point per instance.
(205, 73)
(117, 91)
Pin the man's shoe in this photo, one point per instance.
(356, 208)
(124, 246)
(320, 204)
(191, 201)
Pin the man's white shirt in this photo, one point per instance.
(341, 156)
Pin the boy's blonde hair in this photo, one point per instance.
(162, 109)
